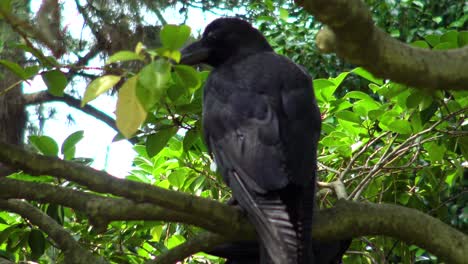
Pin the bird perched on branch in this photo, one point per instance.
(262, 124)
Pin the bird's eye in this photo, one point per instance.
(211, 36)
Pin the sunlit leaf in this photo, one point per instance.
(99, 86)
(124, 55)
(173, 37)
(367, 75)
(44, 144)
(130, 113)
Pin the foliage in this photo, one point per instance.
(386, 142)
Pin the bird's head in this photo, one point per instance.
(225, 39)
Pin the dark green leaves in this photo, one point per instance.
(37, 243)
(156, 142)
(55, 81)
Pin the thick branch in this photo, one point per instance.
(44, 97)
(355, 38)
(100, 210)
(72, 250)
(99, 181)
(346, 219)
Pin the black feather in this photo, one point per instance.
(262, 124)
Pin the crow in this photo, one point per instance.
(261, 122)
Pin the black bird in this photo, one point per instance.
(262, 124)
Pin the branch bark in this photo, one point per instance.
(74, 253)
(353, 36)
(99, 181)
(346, 219)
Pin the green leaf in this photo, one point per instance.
(152, 82)
(156, 233)
(173, 37)
(433, 40)
(446, 46)
(156, 142)
(130, 113)
(358, 95)
(367, 75)
(348, 116)
(68, 146)
(177, 178)
(189, 76)
(414, 99)
(400, 126)
(15, 68)
(450, 36)
(44, 144)
(124, 55)
(462, 38)
(37, 243)
(436, 152)
(339, 79)
(460, 22)
(190, 137)
(56, 212)
(31, 71)
(420, 44)
(284, 14)
(55, 81)
(174, 241)
(324, 90)
(99, 86)
(169, 53)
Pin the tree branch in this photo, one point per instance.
(72, 250)
(45, 97)
(346, 219)
(99, 181)
(99, 209)
(353, 36)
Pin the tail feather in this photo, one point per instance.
(272, 222)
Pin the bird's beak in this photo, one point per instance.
(194, 53)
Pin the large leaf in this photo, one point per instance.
(152, 82)
(99, 86)
(156, 142)
(130, 113)
(173, 37)
(46, 145)
(55, 81)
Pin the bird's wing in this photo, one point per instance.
(243, 132)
